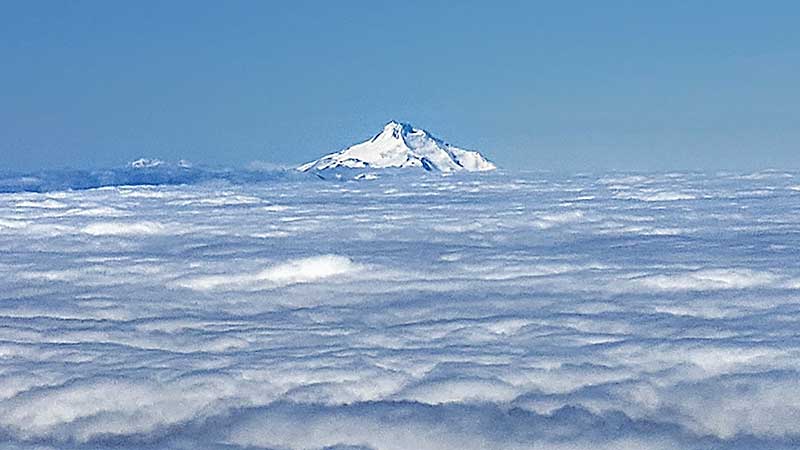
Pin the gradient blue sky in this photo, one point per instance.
(568, 85)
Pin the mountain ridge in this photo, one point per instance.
(400, 145)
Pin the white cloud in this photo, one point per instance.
(303, 270)
(124, 228)
(707, 279)
(430, 313)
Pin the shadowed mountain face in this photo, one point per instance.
(400, 145)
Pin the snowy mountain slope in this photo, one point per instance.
(400, 145)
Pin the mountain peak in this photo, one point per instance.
(401, 145)
(395, 129)
(145, 163)
(394, 124)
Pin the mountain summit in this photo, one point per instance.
(400, 145)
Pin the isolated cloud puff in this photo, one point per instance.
(124, 228)
(302, 270)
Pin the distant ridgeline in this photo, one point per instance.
(155, 172)
(139, 172)
(399, 149)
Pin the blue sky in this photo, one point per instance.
(540, 85)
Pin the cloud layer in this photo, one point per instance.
(517, 311)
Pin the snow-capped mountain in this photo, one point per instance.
(400, 145)
(152, 163)
(145, 163)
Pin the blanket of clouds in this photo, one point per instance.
(515, 311)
